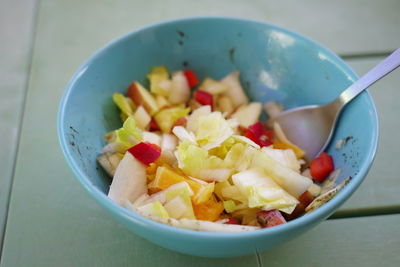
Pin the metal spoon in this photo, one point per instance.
(311, 127)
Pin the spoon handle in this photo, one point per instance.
(386, 66)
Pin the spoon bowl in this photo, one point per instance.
(311, 127)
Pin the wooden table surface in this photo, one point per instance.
(47, 219)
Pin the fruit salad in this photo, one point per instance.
(194, 154)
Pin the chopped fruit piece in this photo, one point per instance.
(109, 162)
(235, 91)
(203, 193)
(257, 134)
(229, 206)
(184, 195)
(321, 167)
(129, 181)
(141, 97)
(257, 129)
(154, 209)
(124, 104)
(151, 138)
(191, 78)
(153, 125)
(180, 122)
(270, 218)
(181, 188)
(162, 102)
(193, 104)
(159, 80)
(141, 117)
(145, 152)
(213, 87)
(231, 221)
(152, 168)
(314, 189)
(305, 199)
(167, 117)
(224, 104)
(166, 177)
(248, 114)
(218, 189)
(176, 207)
(269, 134)
(204, 98)
(208, 211)
(180, 91)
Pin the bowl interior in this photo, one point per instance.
(275, 64)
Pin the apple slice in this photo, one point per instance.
(145, 152)
(204, 98)
(270, 218)
(142, 97)
(142, 118)
(235, 91)
(248, 114)
(180, 91)
(166, 118)
(213, 87)
(162, 102)
(168, 145)
(151, 138)
(224, 104)
(129, 181)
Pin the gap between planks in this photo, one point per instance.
(366, 55)
(364, 212)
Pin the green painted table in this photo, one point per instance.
(46, 218)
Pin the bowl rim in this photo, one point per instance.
(119, 211)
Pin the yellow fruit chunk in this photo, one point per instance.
(152, 168)
(203, 194)
(208, 211)
(298, 151)
(166, 177)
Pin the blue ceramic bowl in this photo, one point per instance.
(275, 64)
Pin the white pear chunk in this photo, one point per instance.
(249, 114)
(235, 91)
(152, 138)
(225, 104)
(141, 117)
(129, 181)
(180, 91)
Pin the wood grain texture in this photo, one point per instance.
(16, 19)
(364, 241)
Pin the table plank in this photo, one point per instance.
(381, 186)
(16, 19)
(364, 241)
(340, 25)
